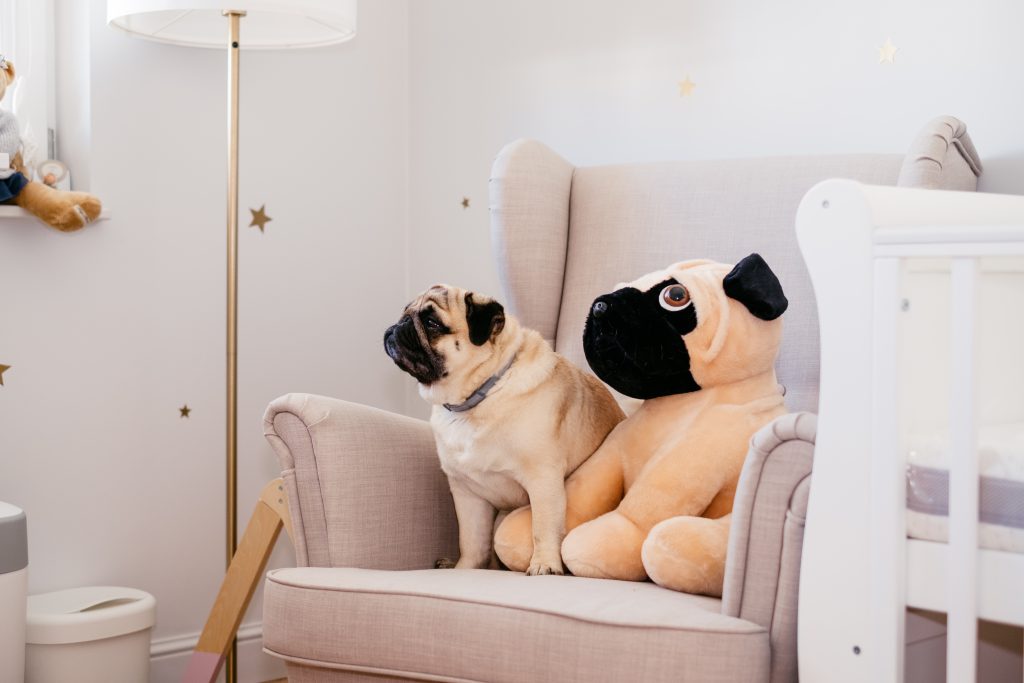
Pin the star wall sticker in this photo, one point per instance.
(3, 369)
(184, 410)
(887, 53)
(465, 202)
(686, 87)
(260, 218)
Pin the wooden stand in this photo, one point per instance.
(239, 583)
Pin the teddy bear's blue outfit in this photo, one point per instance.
(11, 181)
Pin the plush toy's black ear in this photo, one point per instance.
(485, 319)
(754, 285)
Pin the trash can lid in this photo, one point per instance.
(79, 615)
(13, 539)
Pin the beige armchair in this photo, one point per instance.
(372, 512)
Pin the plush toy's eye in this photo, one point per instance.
(674, 298)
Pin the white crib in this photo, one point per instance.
(920, 296)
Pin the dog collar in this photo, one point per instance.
(481, 391)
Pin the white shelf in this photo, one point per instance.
(12, 212)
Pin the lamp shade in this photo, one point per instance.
(268, 24)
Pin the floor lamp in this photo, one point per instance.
(268, 24)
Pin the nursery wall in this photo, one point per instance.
(110, 330)
(363, 154)
(597, 80)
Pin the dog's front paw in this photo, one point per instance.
(444, 563)
(540, 566)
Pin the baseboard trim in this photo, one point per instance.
(173, 645)
(169, 656)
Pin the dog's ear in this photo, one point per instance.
(754, 285)
(486, 319)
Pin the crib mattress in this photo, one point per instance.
(1001, 502)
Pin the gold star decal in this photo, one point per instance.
(887, 53)
(260, 218)
(184, 410)
(465, 202)
(3, 369)
(686, 86)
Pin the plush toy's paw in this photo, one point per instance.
(540, 566)
(88, 205)
(80, 210)
(66, 211)
(605, 548)
(444, 563)
(688, 554)
(513, 541)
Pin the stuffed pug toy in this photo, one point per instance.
(697, 341)
(60, 209)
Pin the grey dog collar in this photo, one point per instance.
(481, 391)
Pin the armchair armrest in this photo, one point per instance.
(364, 485)
(762, 572)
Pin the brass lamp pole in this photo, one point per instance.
(234, 19)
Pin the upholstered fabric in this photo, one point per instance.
(763, 570)
(629, 220)
(367, 491)
(942, 157)
(529, 190)
(482, 625)
(310, 673)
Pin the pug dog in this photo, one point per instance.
(512, 418)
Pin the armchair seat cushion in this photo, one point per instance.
(485, 625)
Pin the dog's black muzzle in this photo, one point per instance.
(403, 345)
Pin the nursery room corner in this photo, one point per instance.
(462, 340)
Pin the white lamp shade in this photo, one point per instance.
(268, 24)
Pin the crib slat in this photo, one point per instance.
(887, 517)
(962, 622)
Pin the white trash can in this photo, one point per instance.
(13, 590)
(89, 635)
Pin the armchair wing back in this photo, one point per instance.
(563, 235)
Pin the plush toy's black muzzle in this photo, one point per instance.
(408, 347)
(635, 346)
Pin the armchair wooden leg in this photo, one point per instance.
(239, 583)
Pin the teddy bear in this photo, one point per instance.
(697, 342)
(60, 209)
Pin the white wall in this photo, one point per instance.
(363, 153)
(110, 330)
(597, 81)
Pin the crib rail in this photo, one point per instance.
(962, 580)
(859, 570)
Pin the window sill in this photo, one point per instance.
(9, 212)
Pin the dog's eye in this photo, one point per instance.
(434, 324)
(674, 298)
